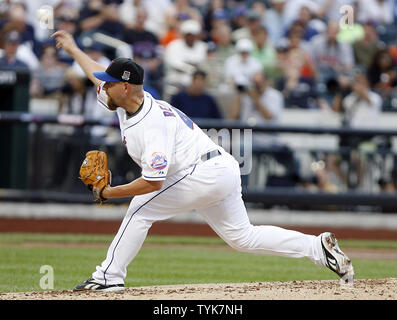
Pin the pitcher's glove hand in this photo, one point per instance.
(95, 174)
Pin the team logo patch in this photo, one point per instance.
(159, 161)
(126, 75)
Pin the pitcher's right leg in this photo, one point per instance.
(230, 221)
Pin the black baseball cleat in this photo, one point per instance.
(92, 285)
(336, 260)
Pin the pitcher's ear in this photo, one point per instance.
(126, 87)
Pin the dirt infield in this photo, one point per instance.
(374, 289)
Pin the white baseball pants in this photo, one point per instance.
(213, 188)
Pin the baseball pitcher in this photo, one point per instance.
(182, 170)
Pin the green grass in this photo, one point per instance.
(160, 265)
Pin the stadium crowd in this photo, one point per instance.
(246, 60)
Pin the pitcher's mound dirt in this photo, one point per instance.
(364, 289)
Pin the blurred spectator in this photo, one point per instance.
(360, 108)
(253, 21)
(335, 176)
(323, 182)
(170, 35)
(293, 7)
(136, 33)
(155, 21)
(9, 57)
(194, 101)
(360, 105)
(331, 56)
(127, 12)
(17, 20)
(275, 20)
(180, 11)
(263, 50)
(382, 74)
(259, 6)
(298, 73)
(222, 36)
(75, 90)
(238, 16)
(262, 104)
(240, 67)
(386, 185)
(101, 16)
(67, 22)
(259, 103)
(379, 11)
(324, 176)
(183, 56)
(148, 55)
(12, 41)
(48, 80)
(393, 51)
(215, 13)
(214, 69)
(296, 28)
(365, 49)
(5, 6)
(304, 19)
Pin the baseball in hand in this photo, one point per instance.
(41, 14)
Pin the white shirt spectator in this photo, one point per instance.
(339, 56)
(26, 55)
(360, 113)
(156, 21)
(380, 11)
(273, 101)
(180, 60)
(275, 23)
(240, 72)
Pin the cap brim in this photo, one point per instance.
(104, 77)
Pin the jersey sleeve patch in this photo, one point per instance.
(158, 161)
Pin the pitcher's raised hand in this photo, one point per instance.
(64, 40)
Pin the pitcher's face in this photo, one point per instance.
(114, 91)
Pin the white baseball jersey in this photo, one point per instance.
(161, 139)
(167, 144)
